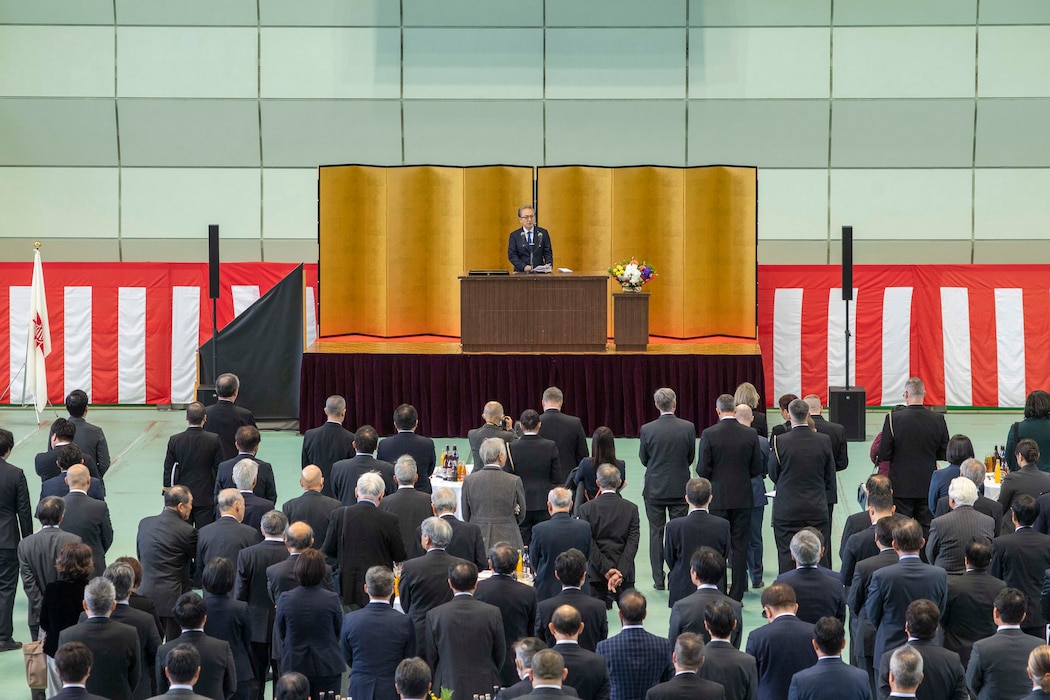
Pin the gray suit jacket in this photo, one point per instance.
(667, 448)
(36, 562)
(946, 545)
(997, 665)
(495, 501)
(736, 671)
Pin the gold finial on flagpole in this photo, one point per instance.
(36, 244)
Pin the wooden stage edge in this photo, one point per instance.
(365, 345)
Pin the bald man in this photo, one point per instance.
(496, 425)
(87, 517)
(313, 507)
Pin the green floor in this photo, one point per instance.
(138, 438)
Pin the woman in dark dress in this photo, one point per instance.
(746, 393)
(63, 602)
(603, 451)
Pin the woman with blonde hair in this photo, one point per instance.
(1039, 672)
(747, 393)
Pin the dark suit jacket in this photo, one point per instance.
(950, 533)
(218, 679)
(1020, 559)
(567, 433)
(731, 668)
(16, 515)
(423, 587)
(115, 645)
(252, 585)
(781, 649)
(141, 602)
(346, 472)
(943, 677)
(78, 694)
(687, 615)
(667, 446)
(476, 436)
(729, 457)
(1042, 521)
(682, 537)
(180, 694)
(325, 445)
(1027, 480)
(520, 253)
(420, 448)
(46, 464)
(860, 546)
(592, 613)
(223, 538)
(265, 485)
(862, 633)
(89, 518)
(967, 616)
(374, 657)
(255, 508)
(803, 468)
(818, 594)
(517, 605)
(831, 679)
(412, 507)
(549, 539)
(892, 589)
(280, 577)
(149, 641)
(197, 454)
(687, 686)
(997, 665)
(615, 532)
(467, 542)
(837, 433)
(588, 672)
(57, 486)
(228, 620)
(992, 509)
(308, 622)
(223, 419)
(912, 444)
(165, 547)
(537, 463)
(854, 524)
(361, 536)
(91, 441)
(524, 687)
(637, 660)
(465, 645)
(313, 508)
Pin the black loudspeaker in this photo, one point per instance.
(846, 407)
(213, 261)
(206, 394)
(847, 263)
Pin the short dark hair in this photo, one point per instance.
(530, 419)
(64, 429)
(979, 552)
(959, 449)
(463, 575)
(829, 634)
(884, 530)
(697, 491)
(878, 482)
(247, 438)
(1011, 604)
(504, 558)
(570, 566)
(50, 510)
(365, 439)
(218, 576)
(189, 611)
(309, 569)
(547, 665)
(68, 455)
(785, 400)
(632, 607)
(720, 617)
(922, 617)
(74, 661)
(1029, 449)
(226, 385)
(907, 535)
(176, 496)
(292, 686)
(566, 620)
(77, 403)
(1037, 405)
(182, 662)
(195, 413)
(708, 565)
(1025, 508)
(405, 417)
(881, 499)
(778, 595)
(7, 441)
(412, 677)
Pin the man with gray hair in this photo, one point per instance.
(424, 580)
(667, 447)
(688, 657)
(949, 533)
(227, 536)
(408, 503)
(566, 431)
(973, 469)
(327, 444)
(245, 475)
(467, 542)
(549, 539)
(122, 576)
(817, 593)
(524, 651)
(615, 533)
(516, 602)
(224, 417)
(494, 498)
(117, 667)
(362, 536)
(165, 546)
(37, 553)
(375, 638)
(905, 672)
(548, 672)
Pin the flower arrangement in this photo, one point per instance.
(446, 694)
(632, 274)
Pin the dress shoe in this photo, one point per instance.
(758, 584)
(10, 645)
(659, 585)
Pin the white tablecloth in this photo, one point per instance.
(456, 486)
(991, 489)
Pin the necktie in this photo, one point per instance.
(530, 237)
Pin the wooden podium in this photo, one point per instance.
(554, 312)
(631, 321)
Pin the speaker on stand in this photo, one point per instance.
(846, 404)
(206, 392)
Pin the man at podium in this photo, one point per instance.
(529, 246)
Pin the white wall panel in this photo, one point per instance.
(290, 203)
(759, 62)
(873, 62)
(792, 204)
(187, 62)
(38, 61)
(615, 63)
(901, 204)
(182, 202)
(324, 62)
(58, 202)
(473, 63)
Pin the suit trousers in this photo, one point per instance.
(739, 534)
(261, 663)
(201, 516)
(8, 586)
(754, 546)
(658, 513)
(784, 530)
(918, 508)
(532, 517)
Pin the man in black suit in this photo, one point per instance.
(69, 455)
(803, 468)
(247, 440)
(529, 246)
(864, 520)
(496, 425)
(1021, 558)
(905, 672)
(313, 507)
(524, 651)
(837, 433)
(406, 442)
(467, 541)
(346, 472)
(182, 668)
(862, 633)
(547, 670)
(361, 536)
(122, 576)
(587, 670)
(252, 588)
(667, 446)
(973, 470)
(73, 663)
(689, 683)
(943, 676)
(535, 460)
(410, 505)
(571, 569)
(706, 568)
(280, 577)
(552, 537)
(218, 670)
(615, 533)
(950, 532)
(998, 663)
(862, 544)
(783, 647)
(515, 600)
(817, 594)
(87, 517)
(63, 432)
(683, 536)
(89, 438)
(424, 580)
(246, 477)
(913, 439)
(192, 460)
(464, 640)
(725, 664)
(227, 536)
(730, 457)
(16, 523)
(224, 417)
(166, 545)
(116, 670)
(327, 444)
(967, 617)
(566, 431)
(37, 553)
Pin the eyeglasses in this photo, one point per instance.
(528, 216)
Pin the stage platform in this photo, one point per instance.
(450, 388)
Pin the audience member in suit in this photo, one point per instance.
(817, 594)
(496, 425)
(524, 651)
(723, 663)
(967, 615)
(37, 553)
(424, 580)
(905, 672)
(74, 662)
(69, 455)
(837, 433)
(802, 466)
(755, 549)
(313, 507)
(667, 447)
(1039, 673)
(688, 682)
(950, 533)
(783, 647)
(552, 537)
(730, 457)
(1028, 479)
(247, 440)
(16, 523)
(122, 576)
(706, 568)
(116, 670)
(192, 460)
(224, 418)
(893, 587)
(637, 659)
(862, 544)
(252, 588)
(63, 432)
(780, 428)
(913, 439)
(958, 451)
(862, 632)
(280, 577)
(494, 499)
(943, 677)
(406, 442)
(547, 671)
(683, 536)
(227, 536)
(166, 545)
(182, 668)
(566, 431)
(362, 536)
(571, 569)
(829, 678)
(464, 640)
(973, 470)
(375, 639)
(581, 481)
(615, 532)
(1021, 558)
(246, 476)
(218, 671)
(410, 505)
(411, 679)
(228, 620)
(346, 472)
(587, 671)
(467, 542)
(536, 463)
(515, 600)
(87, 517)
(89, 437)
(859, 521)
(997, 663)
(329, 443)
